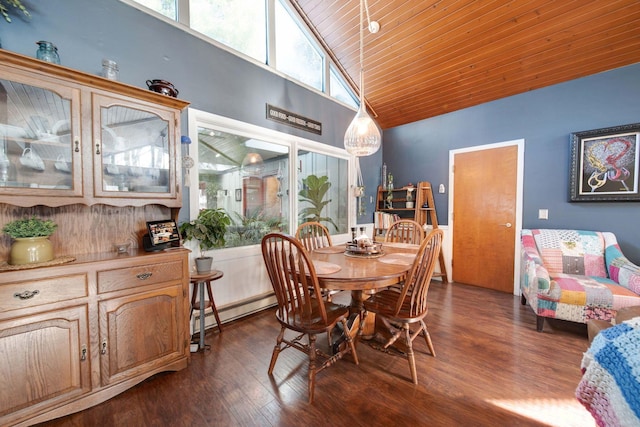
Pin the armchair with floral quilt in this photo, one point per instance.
(575, 275)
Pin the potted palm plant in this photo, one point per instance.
(208, 229)
(32, 244)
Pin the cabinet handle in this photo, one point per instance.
(97, 148)
(144, 276)
(77, 149)
(26, 294)
(83, 353)
(103, 350)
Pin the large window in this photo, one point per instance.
(266, 180)
(241, 25)
(296, 55)
(168, 8)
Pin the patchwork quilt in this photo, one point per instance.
(610, 385)
(576, 275)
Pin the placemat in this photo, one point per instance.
(330, 249)
(401, 245)
(325, 267)
(403, 259)
(5, 266)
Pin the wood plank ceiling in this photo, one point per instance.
(433, 57)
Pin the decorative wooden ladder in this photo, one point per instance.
(428, 215)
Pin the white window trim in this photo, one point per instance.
(294, 143)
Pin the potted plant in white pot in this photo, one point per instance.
(208, 229)
(32, 244)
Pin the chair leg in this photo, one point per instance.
(276, 350)
(427, 338)
(350, 342)
(410, 355)
(312, 366)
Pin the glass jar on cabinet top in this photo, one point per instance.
(48, 52)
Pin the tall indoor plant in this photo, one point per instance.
(208, 229)
(32, 244)
(314, 189)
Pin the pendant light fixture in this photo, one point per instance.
(363, 136)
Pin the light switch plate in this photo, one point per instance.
(543, 213)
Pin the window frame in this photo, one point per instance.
(198, 118)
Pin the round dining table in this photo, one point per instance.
(338, 269)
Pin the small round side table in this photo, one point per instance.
(199, 281)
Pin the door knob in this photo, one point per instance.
(508, 225)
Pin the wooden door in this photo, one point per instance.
(484, 217)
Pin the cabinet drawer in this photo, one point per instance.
(31, 293)
(143, 275)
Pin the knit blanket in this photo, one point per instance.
(610, 385)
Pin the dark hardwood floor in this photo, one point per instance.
(492, 369)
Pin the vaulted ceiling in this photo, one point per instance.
(433, 57)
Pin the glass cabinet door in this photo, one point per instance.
(133, 151)
(40, 151)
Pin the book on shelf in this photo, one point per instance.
(382, 220)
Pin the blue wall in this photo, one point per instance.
(545, 118)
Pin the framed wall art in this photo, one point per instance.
(238, 194)
(604, 164)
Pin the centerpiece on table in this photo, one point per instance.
(32, 244)
(208, 229)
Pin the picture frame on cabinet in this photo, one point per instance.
(238, 194)
(605, 164)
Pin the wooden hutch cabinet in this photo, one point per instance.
(100, 158)
(71, 137)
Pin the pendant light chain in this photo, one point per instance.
(361, 54)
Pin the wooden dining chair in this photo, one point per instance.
(300, 311)
(405, 231)
(398, 309)
(313, 235)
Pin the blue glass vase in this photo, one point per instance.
(48, 52)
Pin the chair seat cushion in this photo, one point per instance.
(580, 298)
(589, 291)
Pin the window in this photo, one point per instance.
(166, 7)
(247, 171)
(239, 24)
(339, 89)
(295, 55)
(323, 179)
(242, 26)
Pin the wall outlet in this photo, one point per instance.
(543, 213)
